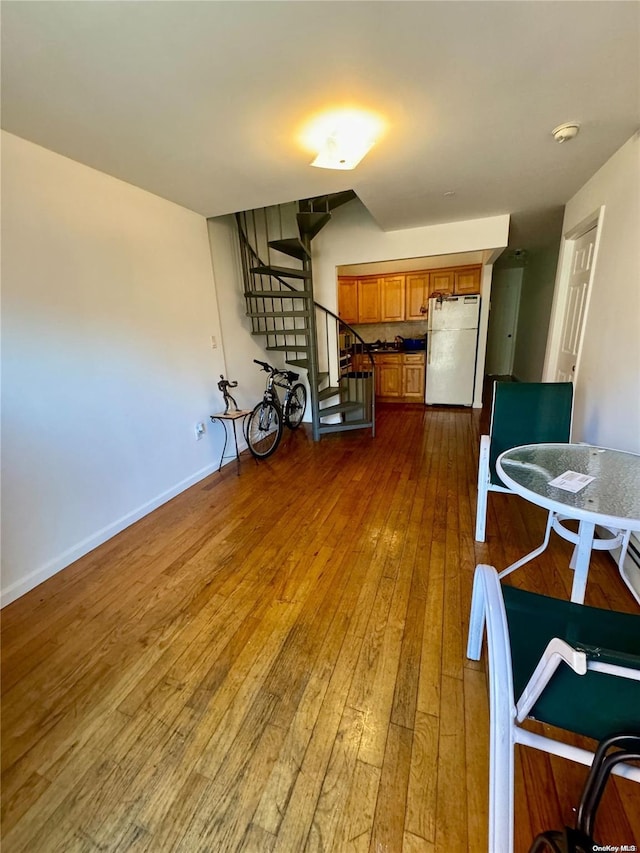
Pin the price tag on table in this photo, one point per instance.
(572, 481)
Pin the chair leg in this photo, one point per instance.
(630, 575)
(483, 488)
(501, 784)
(481, 514)
(532, 554)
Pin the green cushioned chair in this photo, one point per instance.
(574, 667)
(522, 413)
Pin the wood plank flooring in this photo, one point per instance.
(275, 662)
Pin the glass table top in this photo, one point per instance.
(614, 492)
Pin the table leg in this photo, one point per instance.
(224, 446)
(235, 438)
(586, 533)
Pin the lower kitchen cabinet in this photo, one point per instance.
(389, 375)
(400, 377)
(413, 376)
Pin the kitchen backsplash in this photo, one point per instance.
(371, 332)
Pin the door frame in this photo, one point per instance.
(559, 307)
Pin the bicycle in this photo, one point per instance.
(266, 422)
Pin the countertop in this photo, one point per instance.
(390, 350)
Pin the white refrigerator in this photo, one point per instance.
(452, 342)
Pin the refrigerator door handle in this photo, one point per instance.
(429, 350)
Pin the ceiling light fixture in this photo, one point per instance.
(565, 132)
(342, 138)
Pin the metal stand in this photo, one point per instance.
(223, 417)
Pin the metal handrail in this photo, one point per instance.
(251, 257)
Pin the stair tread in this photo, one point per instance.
(301, 362)
(258, 314)
(340, 408)
(310, 223)
(278, 294)
(288, 348)
(330, 391)
(283, 272)
(291, 246)
(325, 429)
(331, 201)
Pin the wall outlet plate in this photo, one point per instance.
(200, 430)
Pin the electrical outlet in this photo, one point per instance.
(200, 430)
(214, 342)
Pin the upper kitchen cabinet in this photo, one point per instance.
(417, 295)
(369, 300)
(396, 298)
(442, 281)
(467, 280)
(392, 299)
(348, 299)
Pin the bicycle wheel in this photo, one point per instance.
(296, 404)
(264, 430)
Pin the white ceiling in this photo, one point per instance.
(201, 102)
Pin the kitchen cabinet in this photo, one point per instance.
(389, 375)
(467, 280)
(368, 300)
(417, 295)
(441, 281)
(392, 298)
(400, 376)
(413, 375)
(396, 298)
(348, 299)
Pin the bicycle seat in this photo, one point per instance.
(291, 376)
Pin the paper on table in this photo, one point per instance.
(572, 481)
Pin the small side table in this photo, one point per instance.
(234, 417)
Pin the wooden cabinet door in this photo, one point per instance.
(389, 373)
(368, 300)
(392, 298)
(417, 296)
(413, 377)
(348, 299)
(467, 280)
(441, 281)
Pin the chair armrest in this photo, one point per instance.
(556, 652)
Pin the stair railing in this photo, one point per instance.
(306, 319)
(337, 344)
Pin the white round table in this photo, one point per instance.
(611, 499)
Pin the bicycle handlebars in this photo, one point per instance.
(291, 376)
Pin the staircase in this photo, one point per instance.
(275, 246)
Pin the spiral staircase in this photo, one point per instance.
(306, 335)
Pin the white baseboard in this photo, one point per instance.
(50, 568)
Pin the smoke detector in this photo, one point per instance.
(565, 132)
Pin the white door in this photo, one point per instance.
(503, 322)
(574, 315)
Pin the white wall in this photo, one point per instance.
(536, 299)
(353, 237)
(607, 394)
(108, 310)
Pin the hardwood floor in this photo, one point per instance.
(275, 662)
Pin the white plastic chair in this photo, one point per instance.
(575, 667)
(521, 413)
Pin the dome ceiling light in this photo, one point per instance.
(565, 132)
(342, 138)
